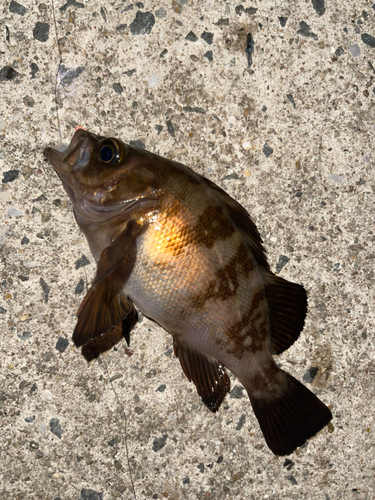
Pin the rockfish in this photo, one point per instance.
(188, 256)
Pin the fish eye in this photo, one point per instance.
(107, 154)
(108, 151)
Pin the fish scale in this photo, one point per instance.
(186, 254)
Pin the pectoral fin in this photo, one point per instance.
(105, 305)
(121, 250)
(209, 376)
(109, 339)
(101, 344)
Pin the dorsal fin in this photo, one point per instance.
(209, 376)
(244, 224)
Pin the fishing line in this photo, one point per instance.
(57, 71)
(125, 425)
(60, 60)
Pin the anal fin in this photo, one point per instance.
(287, 303)
(209, 376)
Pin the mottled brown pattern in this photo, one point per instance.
(257, 299)
(247, 327)
(262, 330)
(227, 280)
(212, 226)
(224, 285)
(236, 331)
(235, 350)
(244, 259)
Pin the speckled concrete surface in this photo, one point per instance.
(284, 121)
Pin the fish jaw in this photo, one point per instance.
(66, 162)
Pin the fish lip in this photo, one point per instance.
(51, 154)
(64, 169)
(96, 214)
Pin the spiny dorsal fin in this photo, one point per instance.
(243, 222)
(209, 376)
(287, 304)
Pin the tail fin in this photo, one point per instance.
(292, 417)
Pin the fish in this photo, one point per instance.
(175, 246)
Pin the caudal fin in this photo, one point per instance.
(290, 418)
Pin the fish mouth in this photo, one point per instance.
(94, 213)
(63, 157)
(91, 211)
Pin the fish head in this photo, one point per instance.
(104, 177)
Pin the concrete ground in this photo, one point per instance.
(275, 102)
